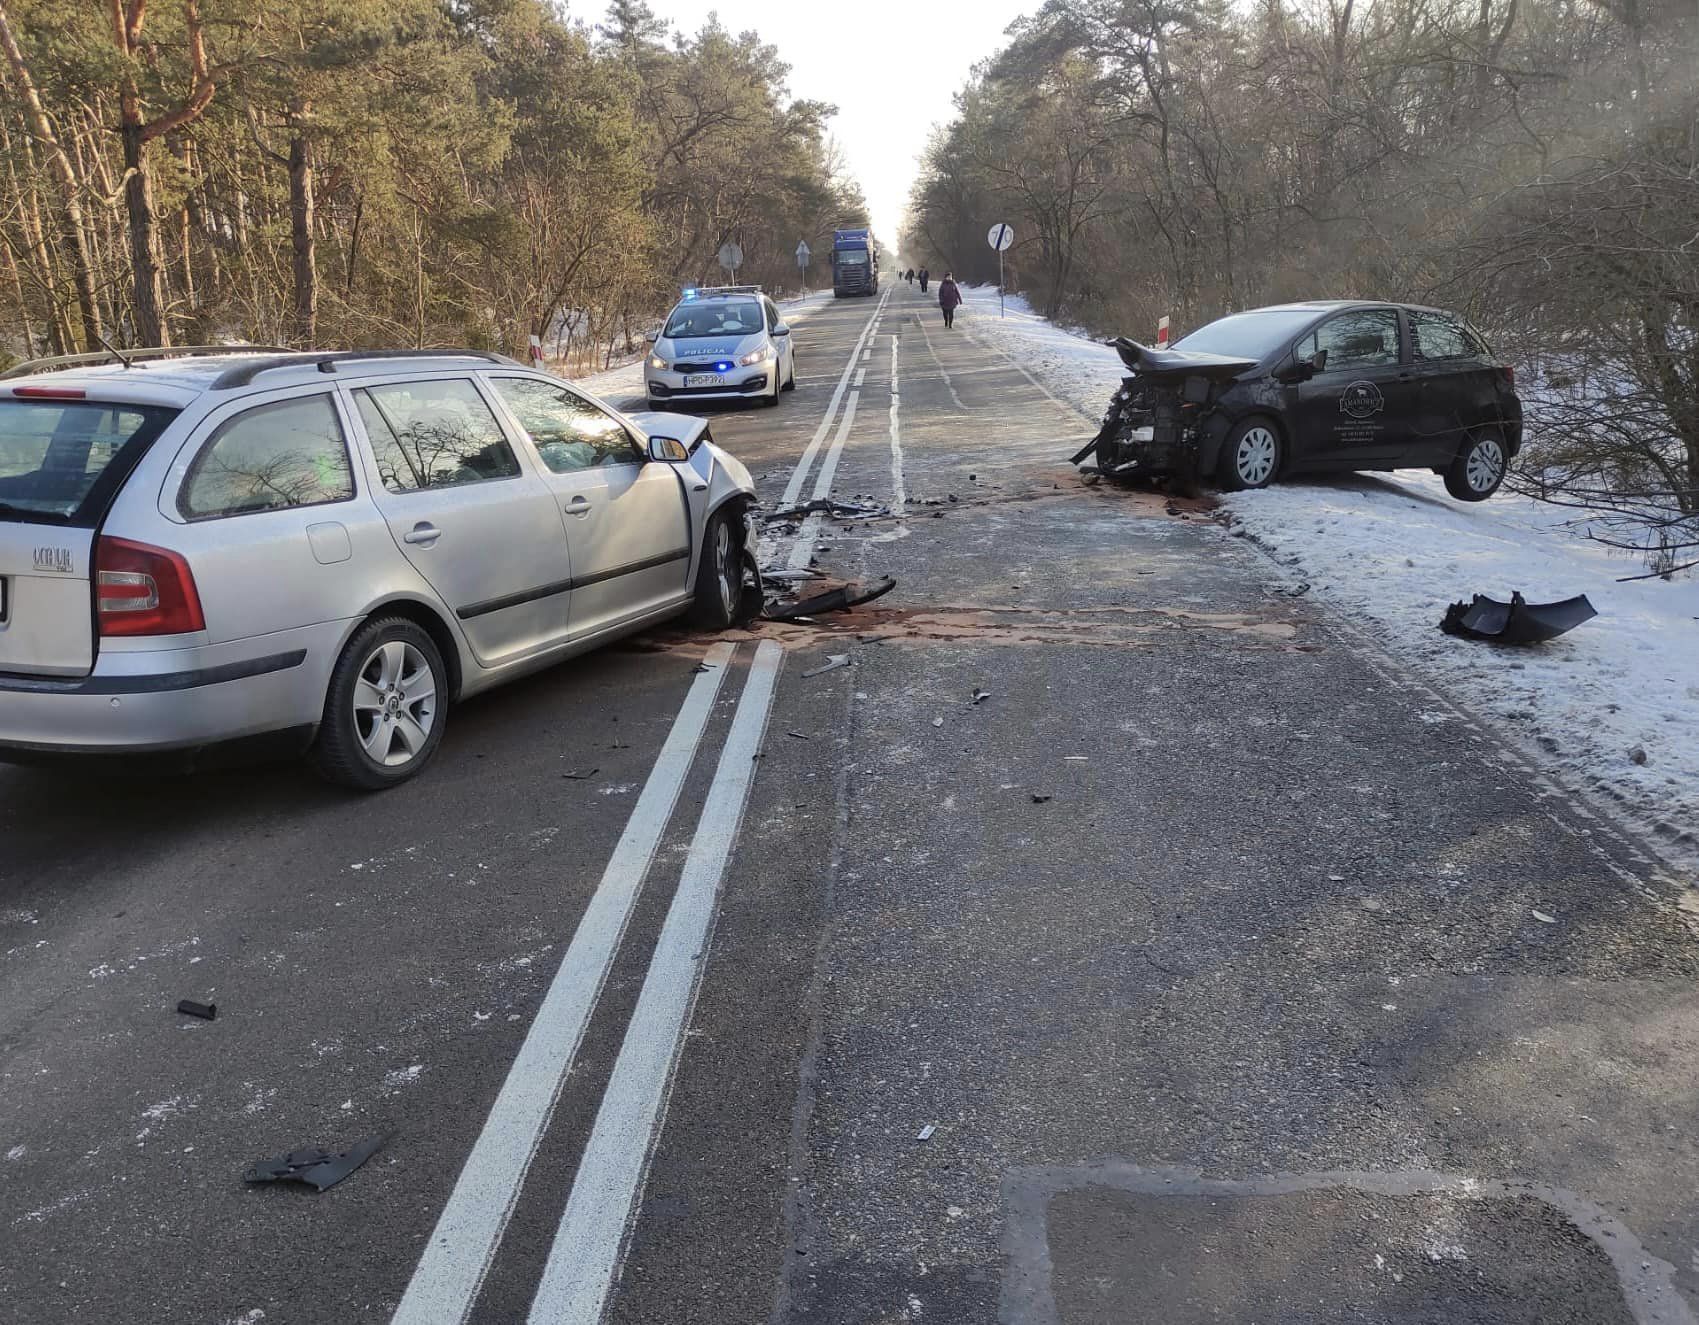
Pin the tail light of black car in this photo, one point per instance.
(144, 590)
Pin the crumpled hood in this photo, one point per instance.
(1171, 365)
(696, 349)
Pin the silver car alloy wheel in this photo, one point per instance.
(727, 577)
(395, 703)
(1485, 465)
(1254, 459)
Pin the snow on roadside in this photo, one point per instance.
(626, 380)
(1394, 550)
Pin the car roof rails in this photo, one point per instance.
(243, 374)
(54, 362)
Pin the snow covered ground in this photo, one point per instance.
(1394, 550)
(626, 380)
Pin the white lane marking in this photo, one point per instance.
(809, 534)
(899, 495)
(585, 1255)
(941, 371)
(455, 1260)
(800, 474)
(860, 377)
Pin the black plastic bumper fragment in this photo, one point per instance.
(319, 1169)
(1516, 622)
(837, 600)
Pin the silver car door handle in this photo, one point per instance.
(422, 534)
(578, 506)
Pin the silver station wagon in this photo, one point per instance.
(331, 548)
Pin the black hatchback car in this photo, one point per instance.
(1316, 387)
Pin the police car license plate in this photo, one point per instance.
(704, 379)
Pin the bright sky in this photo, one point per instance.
(890, 67)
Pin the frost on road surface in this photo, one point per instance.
(1396, 549)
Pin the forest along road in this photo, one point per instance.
(1115, 939)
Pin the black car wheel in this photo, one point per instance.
(385, 708)
(1479, 467)
(719, 575)
(790, 382)
(1250, 455)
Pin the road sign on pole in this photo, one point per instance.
(1000, 236)
(731, 258)
(802, 256)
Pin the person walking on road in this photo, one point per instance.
(911, 275)
(949, 297)
(925, 276)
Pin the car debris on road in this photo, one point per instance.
(205, 1011)
(834, 600)
(832, 663)
(1518, 621)
(318, 1169)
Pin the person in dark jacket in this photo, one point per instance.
(911, 275)
(925, 276)
(949, 298)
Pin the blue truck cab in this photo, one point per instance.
(855, 263)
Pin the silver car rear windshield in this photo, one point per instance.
(741, 317)
(61, 461)
(1248, 335)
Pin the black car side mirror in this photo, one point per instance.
(1294, 373)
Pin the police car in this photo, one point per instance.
(723, 342)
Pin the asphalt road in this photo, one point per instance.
(1203, 967)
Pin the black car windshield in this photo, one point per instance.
(852, 257)
(1254, 335)
(61, 461)
(721, 317)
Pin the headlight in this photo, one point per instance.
(655, 361)
(763, 355)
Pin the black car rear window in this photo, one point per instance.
(1252, 336)
(61, 461)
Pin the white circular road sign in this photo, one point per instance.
(731, 257)
(1000, 236)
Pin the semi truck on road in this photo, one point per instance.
(855, 263)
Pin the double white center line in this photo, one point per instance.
(584, 1257)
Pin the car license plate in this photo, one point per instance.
(1145, 434)
(704, 379)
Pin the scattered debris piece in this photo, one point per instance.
(1545, 919)
(841, 510)
(835, 600)
(1637, 755)
(582, 777)
(801, 736)
(319, 1169)
(980, 696)
(1039, 797)
(832, 663)
(205, 1011)
(700, 667)
(788, 576)
(926, 1132)
(937, 722)
(1516, 622)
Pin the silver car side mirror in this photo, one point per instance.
(652, 335)
(668, 448)
(781, 330)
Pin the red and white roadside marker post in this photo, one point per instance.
(536, 351)
(1162, 332)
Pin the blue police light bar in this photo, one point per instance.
(690, 294)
